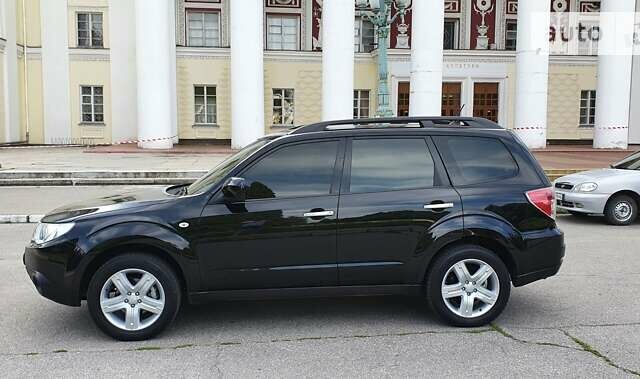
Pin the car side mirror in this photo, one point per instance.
(235, 189)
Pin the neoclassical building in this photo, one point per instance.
(161, 71)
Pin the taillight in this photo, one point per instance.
(544, 199)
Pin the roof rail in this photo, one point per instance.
(398, 122)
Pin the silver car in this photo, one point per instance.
(613, 192)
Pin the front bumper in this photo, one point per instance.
(582, 202)
(48, 269)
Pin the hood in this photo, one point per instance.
(125, 200)
(595, 175)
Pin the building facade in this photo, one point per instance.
(160, 71)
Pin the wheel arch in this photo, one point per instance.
(633, 194)
(488, 232)
(131, 247)
(490, 244)
(141, 237)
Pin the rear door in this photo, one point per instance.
(394, 191)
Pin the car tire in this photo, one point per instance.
(621, 210)
(443, 273)
(157, 300)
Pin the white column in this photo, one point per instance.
(427, 35)
(614, 75)
(532, 72)
(154, 73)
(338, 20)
(55, 72)
(11, 93)
(247, 72)
(124, 101)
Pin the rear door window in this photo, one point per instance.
(475, 160)
(379, 165)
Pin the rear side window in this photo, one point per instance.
(298, 170)
(379, 165)
(473, 160)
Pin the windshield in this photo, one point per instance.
(225, 167)
(632, 162)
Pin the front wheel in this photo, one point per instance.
(621, 210)
(133, 297)
(468, 286)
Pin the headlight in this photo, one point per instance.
(47, 232)
(587, 187)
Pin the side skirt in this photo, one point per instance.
(305, 292)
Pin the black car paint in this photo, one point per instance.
(383, 243)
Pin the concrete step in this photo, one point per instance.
(37, 182)
(20, 174)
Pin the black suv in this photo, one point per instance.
(452, 209)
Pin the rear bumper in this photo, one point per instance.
(47, 269)
(531, 277)
(541, 257)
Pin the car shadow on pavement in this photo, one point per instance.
(310, 313)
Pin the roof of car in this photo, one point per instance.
(396, 123)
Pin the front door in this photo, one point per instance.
(284, 234)
(393, 193)
(486, 101)
(451, 99)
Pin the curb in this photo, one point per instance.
(20, 219)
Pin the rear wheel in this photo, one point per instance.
(133, 297)
(468, 286)
(621, 210)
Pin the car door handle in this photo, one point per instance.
(319, 214)
(439, 206)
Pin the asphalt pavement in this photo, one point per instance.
(584, 322)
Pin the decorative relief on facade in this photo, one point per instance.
(283, 3)
(401, 30)
(316, 29)
(560, 6)
(589, 6)
(452, 6)
(483, 20)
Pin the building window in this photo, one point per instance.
(283, 32)
(587, 108)
(364, 36)
(205, 105)
(588, 39)
(511, 35)
(450, 34)
(203, 29)
(361, 103)
(92, 103)
(90, 30)
(404, 94)
(283, 106)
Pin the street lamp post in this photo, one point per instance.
(378, 12)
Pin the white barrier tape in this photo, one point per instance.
(136, 141)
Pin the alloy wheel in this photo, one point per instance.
(470, 288)
(132, 299)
